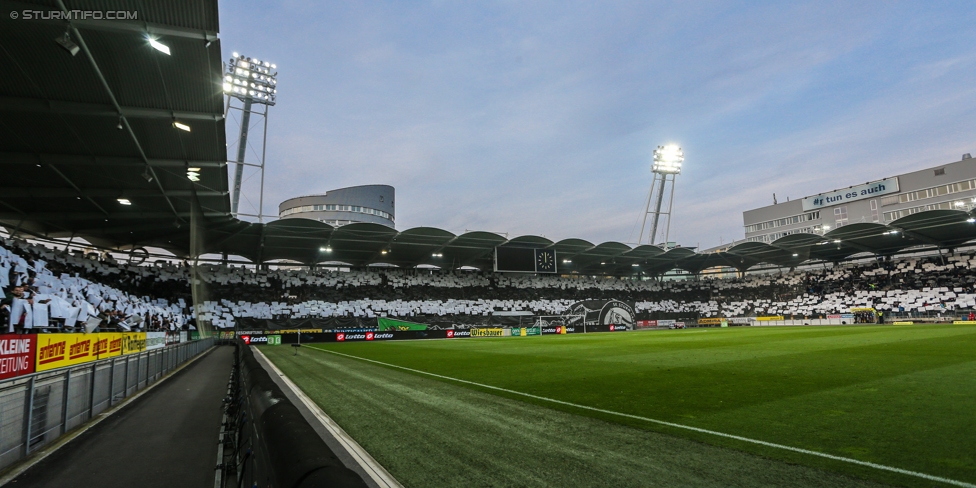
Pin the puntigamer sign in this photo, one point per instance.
(854, 193)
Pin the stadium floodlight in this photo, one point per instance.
(666, 166)
(158, 46)
(970, 220)
(181, 126)
(193, 174)
(124, 201)
(668, 159)
(795, 255)
(251, 81)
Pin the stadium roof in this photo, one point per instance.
(66, 164)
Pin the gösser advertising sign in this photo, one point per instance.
(854, 193)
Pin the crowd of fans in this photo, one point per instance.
(52, 288)
(49, 290)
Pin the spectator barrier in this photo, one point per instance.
(36, 408)
(272, 443)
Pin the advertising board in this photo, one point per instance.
(710, 321)
(767, 319)
(155, 340)
(270, 340)
(133, 342)
(60, 350)
(493, 332)
(17, 354)
(868, 190)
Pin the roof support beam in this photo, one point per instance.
(137, 25)
(38, 105)
(75, 216)
(27, 192)
(78, 159)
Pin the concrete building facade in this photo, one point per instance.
(366, 203)
(948, 186)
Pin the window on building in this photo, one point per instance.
(940, 172)
(840, 216)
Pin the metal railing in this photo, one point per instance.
(37, 409)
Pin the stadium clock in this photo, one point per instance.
(545, 261)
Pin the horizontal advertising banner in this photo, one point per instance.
(271, 340)
(487, 332)
(767, 319)
(155, 340)
(17, 354)
(647, 323)
(854, 193)
(133, 342)
(60, 350)
(710, 321)
(451, 334)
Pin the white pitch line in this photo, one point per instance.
(370, 466)
(677, 426)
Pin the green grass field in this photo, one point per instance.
(900, 396)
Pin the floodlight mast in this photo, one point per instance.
(251, 81)
(666, 166)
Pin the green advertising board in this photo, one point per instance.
(526, 331)
(386, 324)
(274, 340)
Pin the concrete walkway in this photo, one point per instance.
(166, 438)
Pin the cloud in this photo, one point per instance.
(541, 118)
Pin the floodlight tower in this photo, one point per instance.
(251, 81)
(667, 165)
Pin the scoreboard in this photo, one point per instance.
(525, 260)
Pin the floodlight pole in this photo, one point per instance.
(241, 151)
(253, 82)
(667, 165)
(657, 208)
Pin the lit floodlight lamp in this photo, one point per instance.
(193, 174)
(124, 201)
(970, 220)
(158, 46)
(668, 159)
(251, 80)
(795, 255)
(181, 126)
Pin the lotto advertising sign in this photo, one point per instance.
(451, 334)
(257, 340)
(364, 336)
(17, 355)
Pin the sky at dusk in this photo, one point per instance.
(541, 118)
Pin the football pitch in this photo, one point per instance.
(749, 406)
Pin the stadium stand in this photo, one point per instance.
(45, 289)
